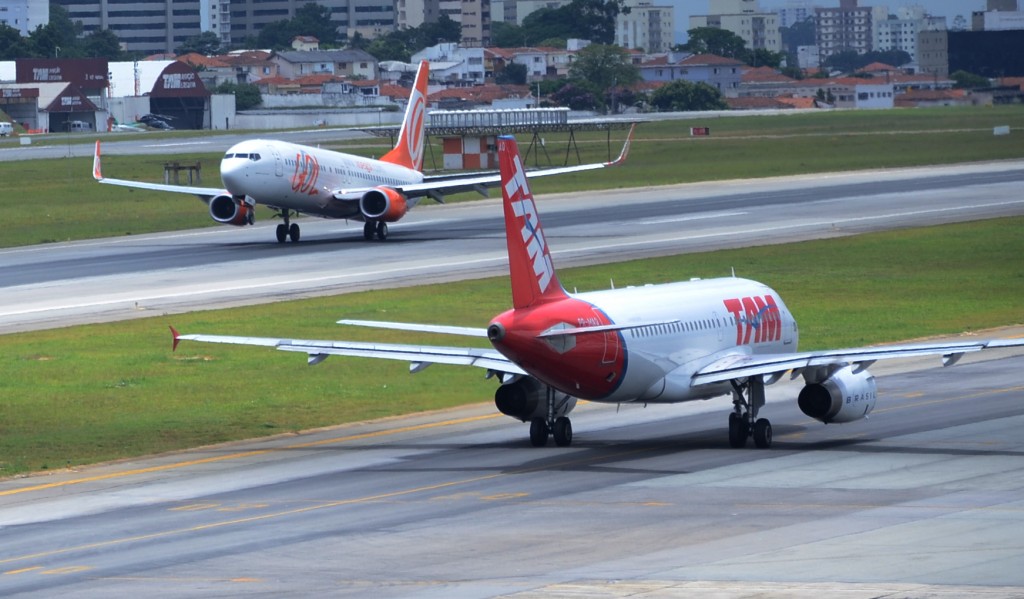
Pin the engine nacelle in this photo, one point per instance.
(526, 399)
(383, 203)
(229, 210)
(844, 396)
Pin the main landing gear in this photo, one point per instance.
(747, 399)
(560, 428)
(375, 228)
(287, 228)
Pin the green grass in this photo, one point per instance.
(57, 200)
(92, 393)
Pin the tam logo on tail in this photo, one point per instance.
(533, 273)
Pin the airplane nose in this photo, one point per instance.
(232, 174)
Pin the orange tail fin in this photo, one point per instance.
(533, 274)
(408, 152)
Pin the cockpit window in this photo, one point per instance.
(254, 157)
(228, 155)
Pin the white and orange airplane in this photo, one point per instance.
(294, 179)
(667, 343)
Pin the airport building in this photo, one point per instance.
(52, 95)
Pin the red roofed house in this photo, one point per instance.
(724, 74)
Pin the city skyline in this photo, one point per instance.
(945, 8)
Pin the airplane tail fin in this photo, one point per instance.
(408, 152)
(533, 274)
(97, 173)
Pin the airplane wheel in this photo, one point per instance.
(737, 430)
(562, 432)
(282, 233)
(762, 433)
(368, 230)
(538, 432)
(382, 230)
(293, 232)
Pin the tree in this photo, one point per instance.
(206, 43)
(311, 19)
(12, 45)
(445, 29)
(513, 73)
(315, 19)
(102, 43)
(507, 35)
(246, 95)
(712, 40)
(798, 34)
(965, 80)
(846, 61)
(761, 57)
(575, 97)
(388, 47)
(592, 20)
(600, 68)
(58, 38)
(687, 96)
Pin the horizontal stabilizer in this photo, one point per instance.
(604, 328)
(420, 328)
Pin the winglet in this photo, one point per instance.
(408, 152)
(625, 148)
(174, 332)
(530, 267)
(96, 174)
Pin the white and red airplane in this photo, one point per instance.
(665, 343)
(295, 179)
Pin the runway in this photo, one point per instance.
(926, 498)
(59, 284)
(923, 499)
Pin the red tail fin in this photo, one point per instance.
(532, 272)
(408, 152)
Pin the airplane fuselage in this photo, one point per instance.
(700, 322)
(303, 178)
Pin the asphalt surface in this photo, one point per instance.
(924, 499)
(55, 285)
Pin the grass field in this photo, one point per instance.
(56, 200)
(93, 393)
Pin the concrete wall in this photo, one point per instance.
(262, 119)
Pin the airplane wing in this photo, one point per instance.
(203, 192)
(439, 186)
(735, 366)
(419, 356)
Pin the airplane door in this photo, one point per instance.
(278, 163)
(611, 344)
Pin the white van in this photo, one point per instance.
(6, 129)
(79, 126)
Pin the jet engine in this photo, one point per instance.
(526, 398)
(846, 395)
(383, 204)
(229, 210)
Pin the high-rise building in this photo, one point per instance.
(645, 27)
(848, 27)
(795, 11)
(159, 26)
(24, 15)
(759, 30)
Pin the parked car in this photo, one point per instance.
(6, 129)
(156, 121)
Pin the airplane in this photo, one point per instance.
(295, 179)
(666, 343)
